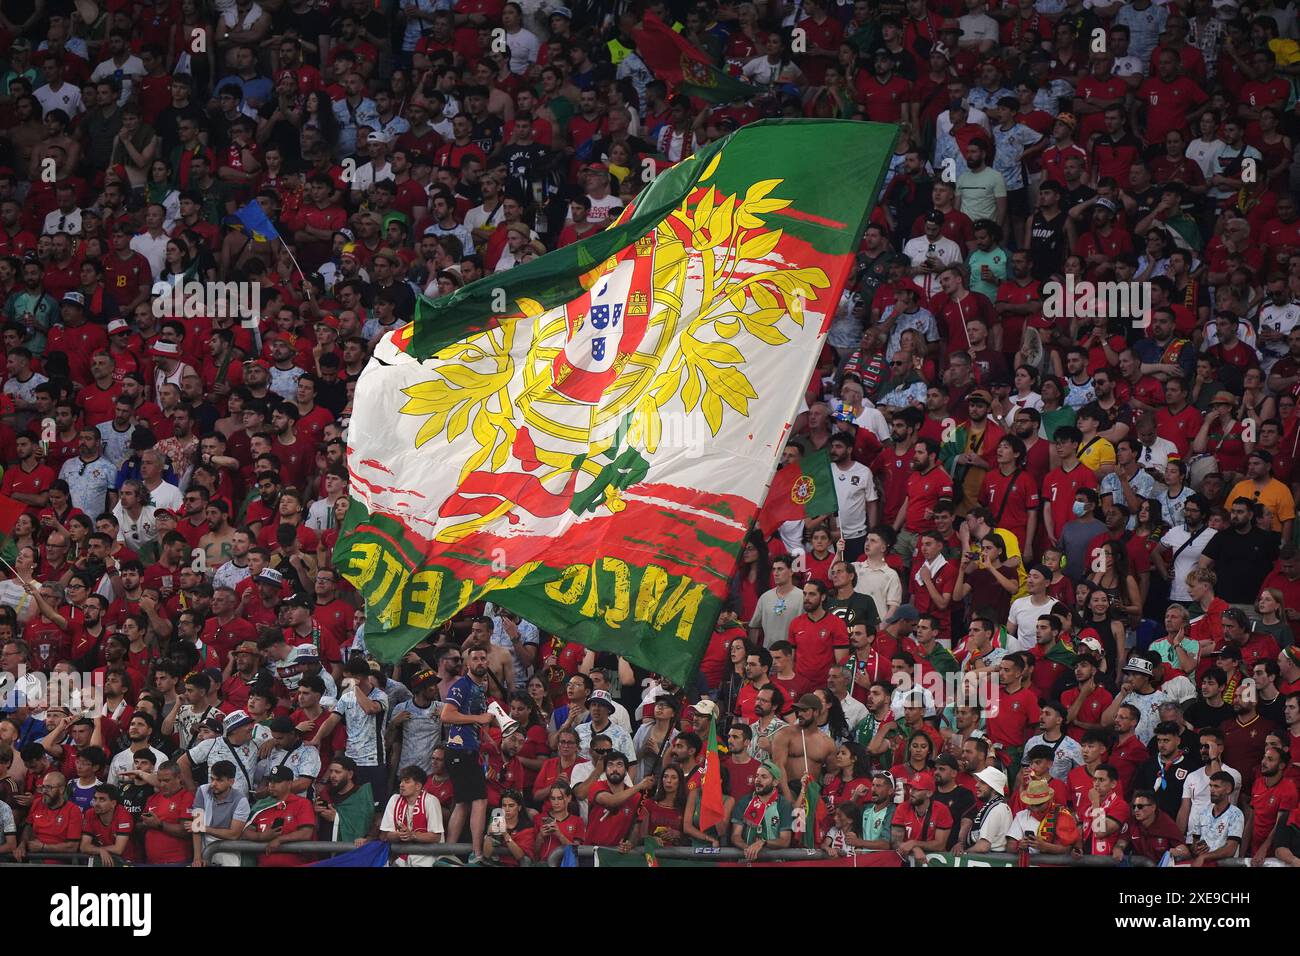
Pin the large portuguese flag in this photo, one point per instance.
(585, 439)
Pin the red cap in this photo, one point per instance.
(922, 781)
(330, 320)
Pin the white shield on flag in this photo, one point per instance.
(606, 325)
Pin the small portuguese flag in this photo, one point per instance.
(801, 489)
(711, 805)
(686, 68)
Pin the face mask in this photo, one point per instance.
(1080, 509)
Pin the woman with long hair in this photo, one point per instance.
(1270, 611)
(918, 756)
(774, 67)
(538, 693)
(845, 834)
(733, 678)
(1097, 619)
(512, 830)
(848, 778)
(1026, 394)
(662, 814)
(754, 576)
(1256, 404)
(318, 112)
(655, 737)
(837, 725)
(179, 266)
(535, 749)
(1119, 582)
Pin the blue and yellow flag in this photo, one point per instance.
(252, 221)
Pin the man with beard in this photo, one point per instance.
(1243, 554)
(819, 637)
(450, 666)
(801, 749)
(855, 490)
(54, 824)
(138, 733)
(614, 804)
(465, 716)
(234, 571)
(765, 822)
(768, 703)
(927, 484)
(922, 825)
(218, 542)
(345, 809)
(1272, 796)
(90, 476)
(988, 831)
(1243, 736)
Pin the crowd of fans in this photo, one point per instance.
(1052, 613)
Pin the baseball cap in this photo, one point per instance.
(1138, 665)
(234, 720)
(1107, 204)
(262, 363)
(1068, 119)
(904, 612)
(165, 350)
(378, 136)
(922, 781)
(934, 216)
(269, 576)
(601, 697)
(561, 12)
(74, 298)
(295, 600)
(808, 702)
(423, 679)
(947, 760)
(705, 707)
(118, 325)
(281, 774)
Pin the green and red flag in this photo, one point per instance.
(585, 439)
(686, 68)
(801, 489)
(711, 806)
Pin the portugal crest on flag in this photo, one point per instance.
(804, 490)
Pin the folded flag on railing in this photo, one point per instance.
(372, 854)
